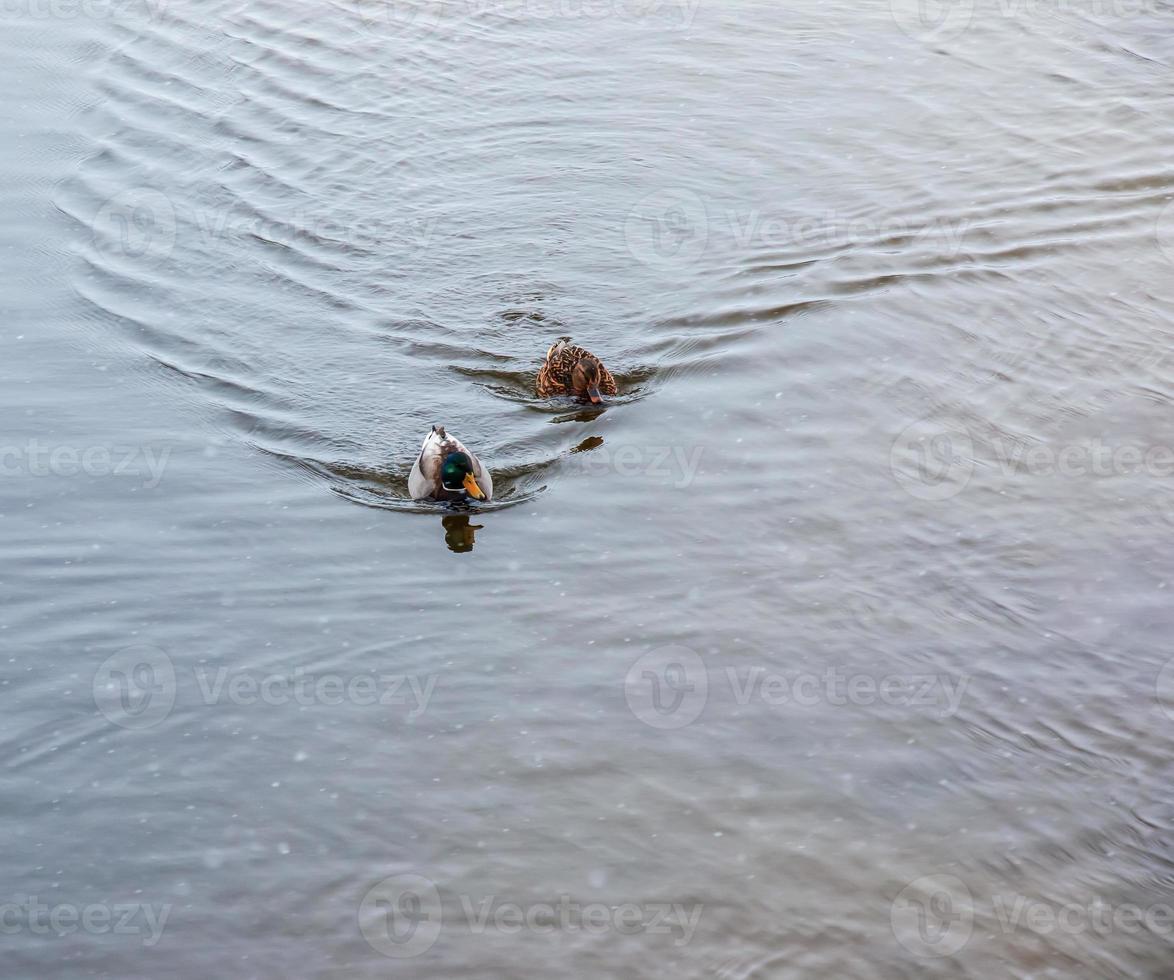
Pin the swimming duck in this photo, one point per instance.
(446, 470)
(572, 370)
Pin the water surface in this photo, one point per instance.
(850, 610)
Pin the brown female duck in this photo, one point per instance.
(572, 370)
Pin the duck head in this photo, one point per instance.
(585, 376)
(456, 474)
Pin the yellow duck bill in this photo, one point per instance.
(471, 487)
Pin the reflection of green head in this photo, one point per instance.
(459, 534)
(456, 467)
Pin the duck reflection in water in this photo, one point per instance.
(459, 533)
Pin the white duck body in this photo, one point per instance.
(425, 481)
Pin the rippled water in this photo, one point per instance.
(832, 647)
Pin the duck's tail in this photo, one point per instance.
(557, 347)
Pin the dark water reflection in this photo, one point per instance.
(835, 639)
(459, 534)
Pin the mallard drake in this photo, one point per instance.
(572, 370)
(446, 470)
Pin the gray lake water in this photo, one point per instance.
(835, 646)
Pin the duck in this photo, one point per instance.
(447, 470)
(572, 370)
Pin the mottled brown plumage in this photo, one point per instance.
(572, 370)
